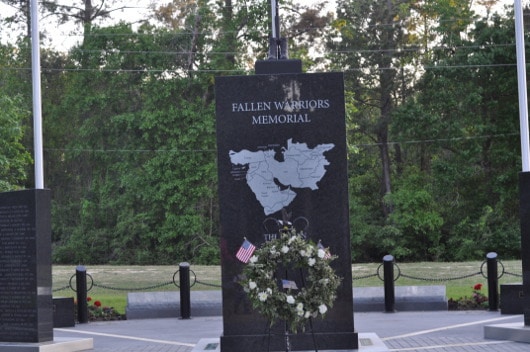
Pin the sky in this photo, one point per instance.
(62, 38)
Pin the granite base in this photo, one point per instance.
(368, 342)
(517, 332)
(57, 345)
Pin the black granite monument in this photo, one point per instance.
(282, 150)
(26, 313)
(524, 213)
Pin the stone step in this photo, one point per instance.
(149, 305)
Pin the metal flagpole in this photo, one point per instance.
(274, 44)
(37, 109)
(274, 8)
(521, 79)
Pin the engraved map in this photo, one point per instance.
(275, 182)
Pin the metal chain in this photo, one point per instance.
(61, 288)
(134, 289)
(208, 284)
(512, 274)
(377, 274)
(363, 277)
(191, 285)
(88, 289)
(486, 276)
(441, 279)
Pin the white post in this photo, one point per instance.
(37, 109)
(521, 79)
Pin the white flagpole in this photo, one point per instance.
(37, 109)
(521, 79)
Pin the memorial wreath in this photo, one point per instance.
(279, 299)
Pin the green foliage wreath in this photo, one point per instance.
(295, 306)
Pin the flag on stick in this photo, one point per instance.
(327, 254)
(245, 251)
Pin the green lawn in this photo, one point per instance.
(112, 283)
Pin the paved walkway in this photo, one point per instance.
(435, 331)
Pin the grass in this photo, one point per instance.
(112, 283)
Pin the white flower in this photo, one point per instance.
(322, 308)
(311, 261)
(290, 299)
(321, 253)
(303, 253)
(252, 285)
(307, 315)
(262, 296)
(285, 249)
(253, 259)
(323, 281)
(269, 291)
(292, 239)
(300, 309)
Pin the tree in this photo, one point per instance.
(14, 159)
(86, 13)
(367, 44)
(134, 162)
(465, 113)
(20, 19)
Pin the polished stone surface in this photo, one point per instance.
(25, 266)
(368, 342)
(63, 344)
(511, 298)
(166, 304)
(407, 298)
(287, 133)
(434, 331)
(524, 215)
(513, 332)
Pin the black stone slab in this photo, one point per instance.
(269, 67)
(63, 312)
(524, 215)
(26, 312)
(407, 298)
(511, 300)
(294, 123)
(166, 304)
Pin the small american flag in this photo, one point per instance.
(289, 284)
(245, 251)
(327, 254)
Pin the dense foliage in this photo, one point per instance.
(129, 125)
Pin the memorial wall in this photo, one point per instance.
(25, 267)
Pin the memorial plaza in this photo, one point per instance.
(432, 331)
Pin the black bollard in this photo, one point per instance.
(81, 289)
(493, 281)
(388, 276)
(185, 302)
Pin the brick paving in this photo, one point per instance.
(400, 332)
(449, 344)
